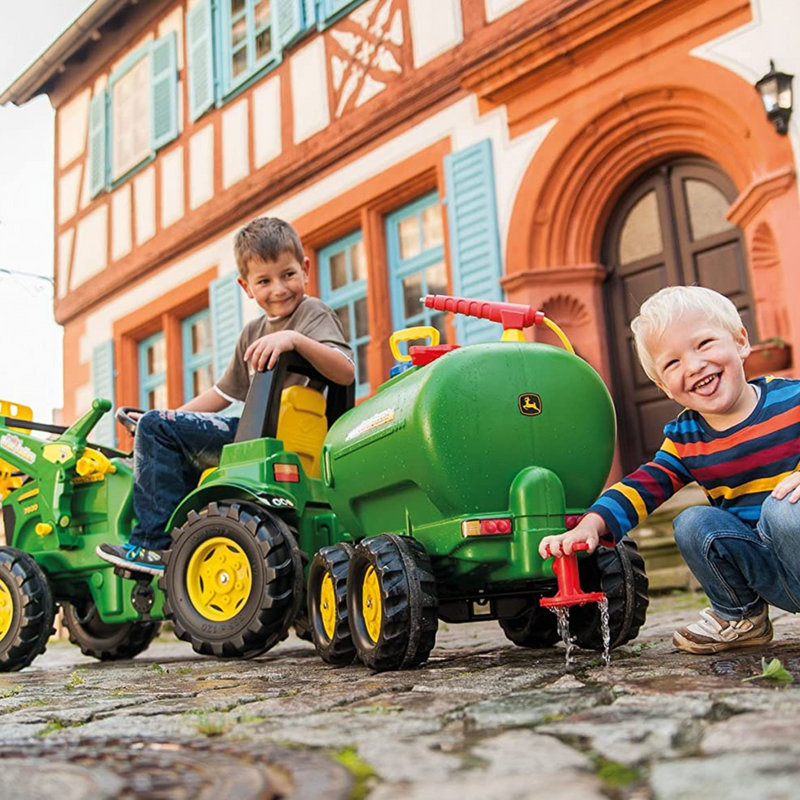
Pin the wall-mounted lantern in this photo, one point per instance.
(775, 89)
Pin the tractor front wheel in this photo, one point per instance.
(392, 602)
(233, 580)
(327, 604)
(27, 609)
(106, 641)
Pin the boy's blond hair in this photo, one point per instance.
(663, 308)
(265, 238)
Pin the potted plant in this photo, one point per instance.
(768, 357)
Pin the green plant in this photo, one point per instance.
(212, 726)
(774, 671)
(362, 772)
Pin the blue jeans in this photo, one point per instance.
(741, 568)
(170, 451)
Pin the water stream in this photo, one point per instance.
(562, 617)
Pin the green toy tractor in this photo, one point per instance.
(448, 479)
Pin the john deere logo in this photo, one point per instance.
(530, 404)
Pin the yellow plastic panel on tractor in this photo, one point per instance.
(302, 425)
(8, 481)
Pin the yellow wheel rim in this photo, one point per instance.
(6, 610)
(327, 605)
(371, 604)
(218, 579)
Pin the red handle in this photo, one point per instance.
(510, 315)
(569, 587)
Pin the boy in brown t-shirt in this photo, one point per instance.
(172, 448)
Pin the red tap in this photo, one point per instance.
(512, 315)
(569, 588)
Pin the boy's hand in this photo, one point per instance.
(590, 530)
(264, 352)
(790, 485)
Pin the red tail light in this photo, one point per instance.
(485, 527)
(286, 473)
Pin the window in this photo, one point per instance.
(343, 286)
(136, 116)
(197, 354)
(415, 239)
(248, 40)
(153, 372)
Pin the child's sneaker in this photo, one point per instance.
(713, 634)
(132, 557)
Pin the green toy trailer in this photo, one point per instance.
(448, 479)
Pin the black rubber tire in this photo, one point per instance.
(536, 628)
(302, 624)
(618, 572)
(276, 580)
(334, 561)
(409, 602)
(32, 609)
(106, 641)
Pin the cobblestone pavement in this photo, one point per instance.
(483, 719)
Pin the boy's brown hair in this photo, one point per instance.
(265, 238)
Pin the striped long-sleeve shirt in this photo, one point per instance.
(737, 468)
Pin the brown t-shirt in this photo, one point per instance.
(312, 318)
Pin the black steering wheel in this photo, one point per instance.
(125, 419)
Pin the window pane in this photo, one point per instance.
(263, 13)
(157, 397)
(412, 292)
(358, 262)
(438, 323)
(239, 64)
(200, 338)
(264, 43)
(363, 370)
(238, 32)
(237, 6)
(201, 380)
(408, 230)
(641, 231)
(131, 119)
(338, 270)
(343, 312)
(362, 324)
(432, 232)
(707, 208)
(156, 357)
(436, 276)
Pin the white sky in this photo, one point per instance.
(30, 343)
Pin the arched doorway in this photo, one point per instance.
(668, 229)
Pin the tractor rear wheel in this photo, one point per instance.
(233, 580)
(392, 602)
(619, 573)
(104, 640)
(327, 604)
(536, 627)
(27, 609)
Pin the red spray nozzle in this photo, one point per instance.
(510, 315)
(569, 588)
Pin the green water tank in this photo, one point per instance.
(447, 439)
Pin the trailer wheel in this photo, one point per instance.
(302, 623)
(535, 627)
(618, 572)
(392, 602)
(103, 640)
(233, 580)
(327, 604)
(27, 609)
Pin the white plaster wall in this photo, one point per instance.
(496, 8)
(267, 121)
(68, 188)
(309, 90)
(435, 28)
(121, 222)
(172, 187)
(91, 247)
(144, 198)
(201, 166)
(771, 34)
(62, 267)
(235, 137)
(149, 37)
(73, 122)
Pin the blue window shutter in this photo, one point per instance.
(103, 386)
(474, 235)
(289, 20)
(226, 319)
(164, 77)
(97, 144)
(310, 13)
(200, 58)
